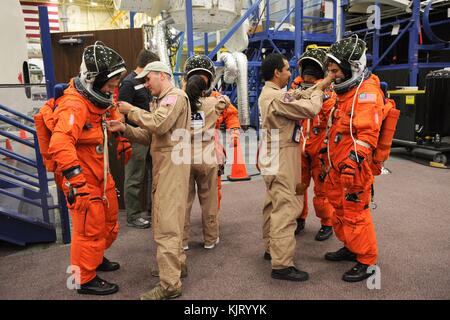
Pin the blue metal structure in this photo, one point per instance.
(309, 29)
(46, 46)
(320, 30)
(189, 28)
(132, 15)
(16, 227)
(411, 26)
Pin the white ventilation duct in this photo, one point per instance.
(161, 43)
(155, 41)
(231, 69)
(239, 40)
(242, 89)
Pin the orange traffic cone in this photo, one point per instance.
(9, 147)
(238, 169)
(23, 134)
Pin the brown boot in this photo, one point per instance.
(159, 293)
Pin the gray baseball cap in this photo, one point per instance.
(156, 66)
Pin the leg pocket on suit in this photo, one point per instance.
(95, 218)
(78, 221)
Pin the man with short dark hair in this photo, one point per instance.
(280, 113)
(138, 171)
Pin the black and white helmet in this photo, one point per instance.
(200, 63)
(350, 55)
(317, 56)
(99, 64)
(312, 63)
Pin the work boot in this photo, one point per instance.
(159, 293)
(184, 271)
(357, 273)
(139, 223)
(324, 233)
(212, 246)
(267, 256)
(300, 225)
(98, 286)
(290, 274)
(341, 255)
(107, 266)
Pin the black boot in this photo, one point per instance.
(267, 256)
(324, 233)
(290, 274)
(98, 286)
(357, 273)
(341, 255)
(300, 225)
(107, 265)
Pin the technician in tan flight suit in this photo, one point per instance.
(204, 165)
(279, 160)
(171, 111)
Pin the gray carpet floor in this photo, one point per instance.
(412, 221)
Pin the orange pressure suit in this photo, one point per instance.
(78, 140)
(314, 133)
(349, 180)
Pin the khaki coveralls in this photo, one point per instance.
(171, 111)
(280, 165)
(204, 167)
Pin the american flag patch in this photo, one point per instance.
(288, 98)
(367, 97)
(169, 100)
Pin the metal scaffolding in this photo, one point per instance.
(411, 25)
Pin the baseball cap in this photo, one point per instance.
(156, 66)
